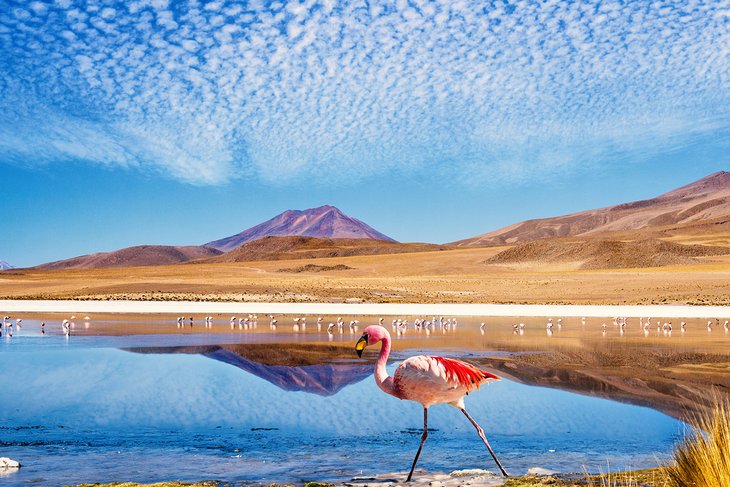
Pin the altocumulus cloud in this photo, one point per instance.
(206, 92)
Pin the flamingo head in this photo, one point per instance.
(370, 336)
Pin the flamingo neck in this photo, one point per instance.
(384, 381)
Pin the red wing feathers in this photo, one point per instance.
(465, 374)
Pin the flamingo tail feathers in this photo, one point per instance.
(465, 374)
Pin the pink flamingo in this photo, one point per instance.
(427, 380)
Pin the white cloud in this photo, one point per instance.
(108, 13)
(213, 91)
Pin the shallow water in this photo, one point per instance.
(93, 408)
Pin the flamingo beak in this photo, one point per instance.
(361, 344)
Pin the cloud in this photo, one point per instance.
(207, 92)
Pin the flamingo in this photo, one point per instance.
(427, 380)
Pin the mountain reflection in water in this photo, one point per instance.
(324, 379)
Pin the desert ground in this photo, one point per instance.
(444, 276)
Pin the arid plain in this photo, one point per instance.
(445, 276)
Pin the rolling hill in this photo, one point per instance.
(323, 222)
(696, 207)
(606, 254)
(297, 247)
(142, 255)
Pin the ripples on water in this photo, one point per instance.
(83, 410)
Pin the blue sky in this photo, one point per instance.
(181, 122)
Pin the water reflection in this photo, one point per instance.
(91, 414)
(654, 360)
(324, 379)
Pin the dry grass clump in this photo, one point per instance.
(703, 458)
(316, 268)
(642, 478)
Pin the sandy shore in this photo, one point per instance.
(385, 309)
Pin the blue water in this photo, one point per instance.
(84, 410)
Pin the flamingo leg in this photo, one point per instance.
(423, 440)
(484, 439)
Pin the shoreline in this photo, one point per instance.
(385, 309)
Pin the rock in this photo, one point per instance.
(472, 473)
(6, 463)
(541, 471)
(458, 478)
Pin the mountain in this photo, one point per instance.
(700, 205)
(4, 266)
(142, 255)
(294, 247)
(323, 222)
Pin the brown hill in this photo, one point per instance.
(697, 204)
(142, 255)
(289, 248)
(323, 222)
(606, 254)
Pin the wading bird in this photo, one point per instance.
(426, 380)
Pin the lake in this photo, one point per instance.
(145, 399)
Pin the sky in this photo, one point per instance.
(180, 122)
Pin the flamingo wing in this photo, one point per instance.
(463, 373)
(437, 380)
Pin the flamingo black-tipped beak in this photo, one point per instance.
(361, 344)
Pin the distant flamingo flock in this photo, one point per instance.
(399, 326)
(7, 329)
